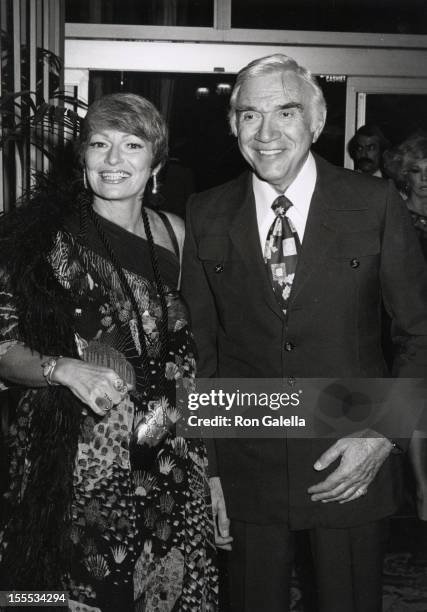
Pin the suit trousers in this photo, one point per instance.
(347, 567)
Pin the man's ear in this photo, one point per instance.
(232, 118)
(318, 127)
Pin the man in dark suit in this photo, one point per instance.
(353, 246)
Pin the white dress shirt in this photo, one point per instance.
(299, 192)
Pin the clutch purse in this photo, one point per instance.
(156, 423)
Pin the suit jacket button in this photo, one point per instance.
(289, 346)
(219, 268)
(354, 263)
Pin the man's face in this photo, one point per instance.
(367, 154)
(274, 126)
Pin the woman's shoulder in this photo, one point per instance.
(178, 225)
(170, 230)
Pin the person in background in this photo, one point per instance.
(104, 500)
(366, 149)
(284, 270)
(406, 164)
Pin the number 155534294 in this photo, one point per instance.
(11, 599)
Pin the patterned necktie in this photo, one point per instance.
(281, 251)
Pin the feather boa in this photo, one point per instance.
(37, 536)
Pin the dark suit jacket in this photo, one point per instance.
(359, 248)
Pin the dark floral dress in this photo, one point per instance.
(142, 529)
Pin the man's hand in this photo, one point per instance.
(221, 521)
(361, 458)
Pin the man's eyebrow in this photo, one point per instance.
(298, 105)
(241, 109)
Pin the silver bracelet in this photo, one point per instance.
(48, 367)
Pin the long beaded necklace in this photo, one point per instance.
(127, 290)
(157, 423)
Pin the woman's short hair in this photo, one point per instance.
(398, 160)
(129, 113)
(272, 64)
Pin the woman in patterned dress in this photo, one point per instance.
(105, 501)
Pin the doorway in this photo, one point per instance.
(397, 105)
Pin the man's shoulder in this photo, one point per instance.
(353, 179)
(235, 188)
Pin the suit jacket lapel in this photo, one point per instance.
(245, 237)
(318, 234)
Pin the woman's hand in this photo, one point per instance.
(98, 387)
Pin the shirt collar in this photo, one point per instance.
(300, 191)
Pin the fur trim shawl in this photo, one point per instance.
(37, 555)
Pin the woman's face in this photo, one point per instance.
(417, 178)
(118, 165)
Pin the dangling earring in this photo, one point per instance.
(155, 187)
(85, 179)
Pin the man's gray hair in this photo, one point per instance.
(272, 64)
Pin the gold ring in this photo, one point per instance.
(120, 386)
(104, 403)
